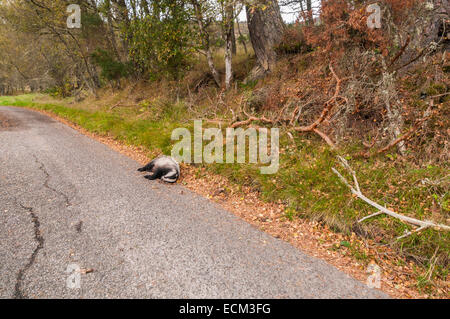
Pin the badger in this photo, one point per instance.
(164, 167)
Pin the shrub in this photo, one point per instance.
(111, 69)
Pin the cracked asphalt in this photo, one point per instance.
(67, 200)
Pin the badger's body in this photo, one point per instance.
(164, 167)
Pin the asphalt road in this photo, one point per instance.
(66, 199)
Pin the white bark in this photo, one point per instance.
(228, 65)
(228, 21)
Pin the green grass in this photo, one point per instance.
(153, 135)
(18, 100)
(304, 182)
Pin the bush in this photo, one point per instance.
(60, 91)
(111, 69)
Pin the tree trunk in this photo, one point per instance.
(123, 17)
(310, 18)
(233, 40)
(228, 59)
(144, 5)
(112, 35)
(205, 41)
(228, 26)
(266, 29)
(156, 7)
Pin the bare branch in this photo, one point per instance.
(357, 192)
(412, 232)
(370, 216)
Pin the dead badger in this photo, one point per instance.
(164, 167)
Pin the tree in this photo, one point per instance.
(45, 22)
(266, 28)
(159, 45)
(201, 11)
(304, 8)
(228, 20)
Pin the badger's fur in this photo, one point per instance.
(163, 167)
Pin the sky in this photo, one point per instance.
(286, 13)
(287, 17)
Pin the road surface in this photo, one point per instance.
(69, 202)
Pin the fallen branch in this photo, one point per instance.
(404, 136)
(412, 232)
(370, 216)
(383, 210)
(400, 52)
(398, 140)
(215, 121)
(325, 138)
(297, 112)
(252, 119)
(328, 106)
(439, 95)
(115, 105)
(326, 111)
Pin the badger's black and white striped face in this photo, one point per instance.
(163, 167)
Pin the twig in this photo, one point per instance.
(404, 136)
(326, 111)
(432, 264)
(412, 232)
(252, 119)
(325, 138)
(303, 129)
(400, 53)
(327, 108)
(115, 105)
(383, 210)
(370, 216)
(398, 140)
(439, 95)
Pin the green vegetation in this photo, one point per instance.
(111, 69)
(160, 45)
